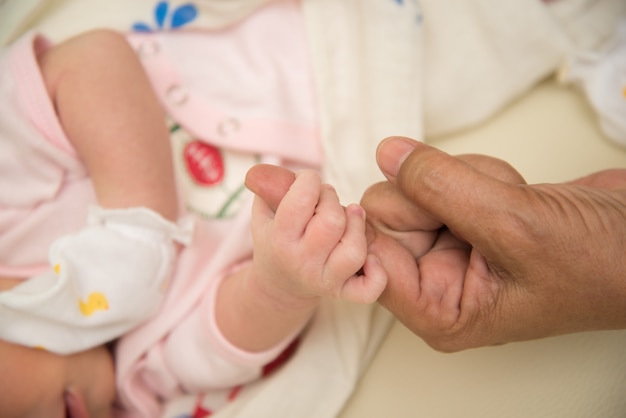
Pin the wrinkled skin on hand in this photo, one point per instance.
(495, 260)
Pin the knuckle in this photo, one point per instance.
(334, 221)
(354, 256)
(424, 172)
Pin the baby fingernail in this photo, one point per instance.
(357, 210)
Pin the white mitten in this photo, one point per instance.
(104, 280)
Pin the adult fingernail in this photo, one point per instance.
(391, 154)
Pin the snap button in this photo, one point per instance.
(228, 127)
(148, 48)
(176, 94)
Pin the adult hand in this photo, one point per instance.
(498, 261)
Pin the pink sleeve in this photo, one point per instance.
(53, 190)
(31, 90)
(210, 360)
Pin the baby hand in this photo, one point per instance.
(311, 246)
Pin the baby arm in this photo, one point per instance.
(308, 248)
(111, 116)
(111, 275)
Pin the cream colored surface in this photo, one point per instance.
(549, 135)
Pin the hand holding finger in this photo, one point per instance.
(527, 275)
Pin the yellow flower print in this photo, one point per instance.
(96, 301)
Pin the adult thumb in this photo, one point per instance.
(473, 204)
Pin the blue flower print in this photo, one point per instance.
(180, 16)
(416, 4)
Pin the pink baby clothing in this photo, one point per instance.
(236, 97)
(247, 90)
(94, 274)
(53, 192)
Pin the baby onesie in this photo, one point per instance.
(235, 97)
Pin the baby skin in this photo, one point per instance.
(306, 246)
